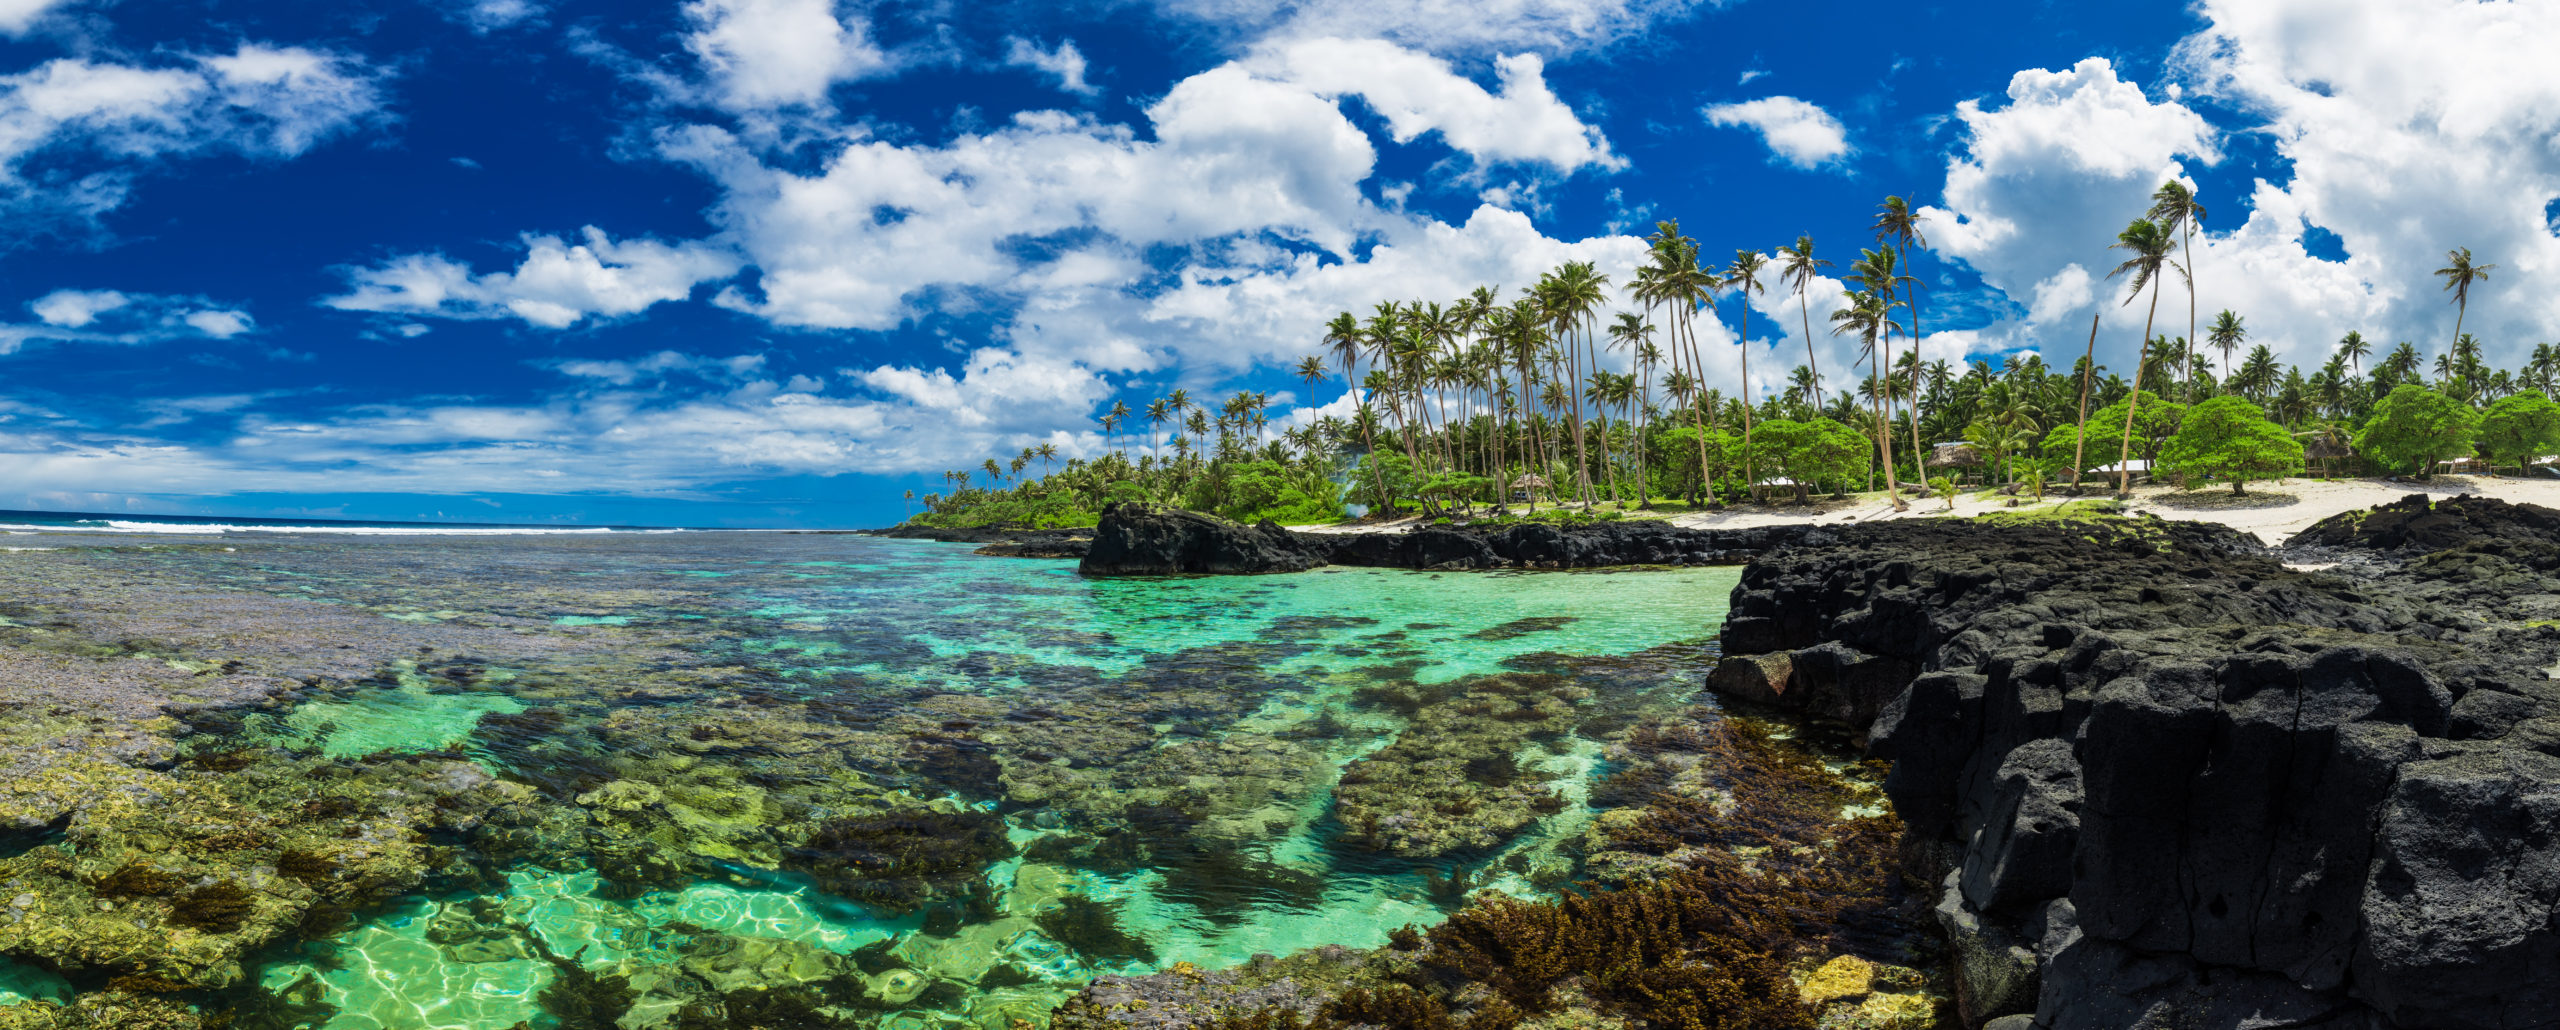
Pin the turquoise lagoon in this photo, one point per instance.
(1169, 753)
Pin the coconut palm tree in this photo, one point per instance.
(1572, 297)
(2355, 348)
(1632, 332)
(1897, 224)
(2228, 332)
(1880, 271)
(1870, 316)
(2174, 207)
(2150, 247)
(2459, 274)
(1799, 266)
(1158, 412)
(1682, 286)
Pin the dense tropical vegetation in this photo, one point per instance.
(1487, 407)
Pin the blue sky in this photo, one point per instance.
(771, 262)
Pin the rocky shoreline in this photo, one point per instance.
(1150, 540)
(2162, 780)
(2151, 774)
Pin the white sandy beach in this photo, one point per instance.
(2273, 510)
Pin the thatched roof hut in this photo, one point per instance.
(1529, 481)
(2320, 447)
(1954, 455)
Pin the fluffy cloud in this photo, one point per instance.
(1064, 64)
(1799, 133)
(2411, 128)
(17, 16)
(1522, 121)
(2050, 178)
(762, 54)
(2406, 130)
(1244, 154)
(116, 317)
(558, 285)
(259, 101)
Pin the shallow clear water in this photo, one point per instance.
(1219, 767)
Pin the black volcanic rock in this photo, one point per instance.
(2197, 789)
(1537, 546)
(1149, 540)
(2417, 525)
(1144, 540)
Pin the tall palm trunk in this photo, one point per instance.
(1685, 329)
(1883, 386)
(1912, 413)
(1592, 351)
(2188, 242)
(2133, 401)
(1748, 473)
(1573, 403)
(1804, 311)
(1495, 459)
(1531, 457)
(2080, 429)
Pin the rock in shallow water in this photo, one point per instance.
(1147, 540)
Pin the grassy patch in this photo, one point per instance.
(2084, 510)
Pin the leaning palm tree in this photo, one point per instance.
(1870, 316)
(2458, 275)
(2174, 207)
(1799, 266)
(2150, 246)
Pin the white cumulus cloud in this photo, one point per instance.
(1798, 132)
(558, 284)
(763, 54)
(1521, 121)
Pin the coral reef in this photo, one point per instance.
(1762, 882)
(1463, 777)
(741, 781)
(905, 861)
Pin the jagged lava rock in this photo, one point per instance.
(1150, 540)
(2200, 789)
(1532, 545)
